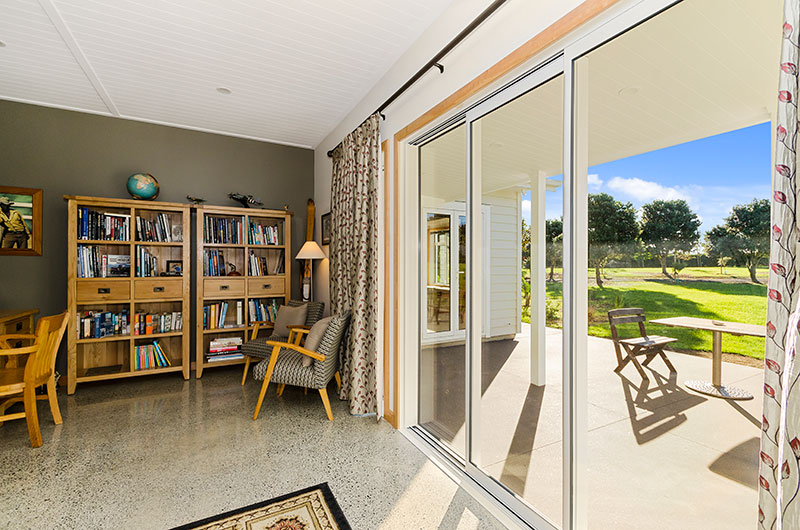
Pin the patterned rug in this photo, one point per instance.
(313, 508)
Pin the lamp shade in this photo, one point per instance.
(310, 250)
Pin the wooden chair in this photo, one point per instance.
(646, 345)
(257, 348)
(284, 365)
(39, 370)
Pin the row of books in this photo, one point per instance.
(93, 263)
(223, 230)
(152, 323)
(224, 349)
(97, 324)
(159, 229)
(150, 356)
(146, 263)
(214, 263)
(264, 234)
(264, 310)
(103, 226)
(272, 263)
(214, 315)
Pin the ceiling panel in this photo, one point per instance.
(295, 69)
(35, 64)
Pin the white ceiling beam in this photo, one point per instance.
(69, 40)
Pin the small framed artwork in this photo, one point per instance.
(20, 221)
(174, 267)
(325, 228)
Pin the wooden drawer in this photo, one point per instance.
(266, 286)
(158, 288)
(223, 287)
(95, 290)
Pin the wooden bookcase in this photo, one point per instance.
(113, 357)
(244, 288)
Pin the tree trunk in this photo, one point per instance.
(552, 269)
(663, 259)
(598, 276)
(752, 269)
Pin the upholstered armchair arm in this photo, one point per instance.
(15, 336)
(296, 334)
(298, 349)
(257, 327)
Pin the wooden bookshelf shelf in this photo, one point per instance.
(112, 338)
(102, 242)
(158, 243)
(113, 356)
(212, 289)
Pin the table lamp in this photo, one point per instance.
(310, 250)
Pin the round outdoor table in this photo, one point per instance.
(717, 327)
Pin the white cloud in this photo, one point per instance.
(644, 190)
(526, 210)
(595, 182)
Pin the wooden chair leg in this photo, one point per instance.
(649, 357)
(338, 378)
(622, 362)
(324, 394)
(31, 416)
(280, 389)
(246, 368)
(666, 361)
(267, 376)
(635, 363)
(52, 397)
(305, 391)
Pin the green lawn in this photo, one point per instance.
(735, 301)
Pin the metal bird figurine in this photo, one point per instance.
(195, 200)
(248, 201)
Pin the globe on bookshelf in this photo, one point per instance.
(143, 186)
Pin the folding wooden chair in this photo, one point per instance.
(646, 345)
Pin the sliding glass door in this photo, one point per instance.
(490, 346)
(515, 344)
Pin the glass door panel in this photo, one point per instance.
(442, 347)
(516, 391)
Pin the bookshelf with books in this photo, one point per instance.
(125, 261)
(243, 276)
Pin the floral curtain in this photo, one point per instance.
(354, 260)
(779, 473)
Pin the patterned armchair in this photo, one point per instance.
(256, 348)
(284, 365)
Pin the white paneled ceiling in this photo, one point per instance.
(294, 68)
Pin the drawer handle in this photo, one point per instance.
(267, 285)
(158, 289)
(223, 287)
(19, 326)
(103, 290)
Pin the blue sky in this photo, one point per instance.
(712, 174)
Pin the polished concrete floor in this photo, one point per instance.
(159, 452)
(659, 455)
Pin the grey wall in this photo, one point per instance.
(71, 153)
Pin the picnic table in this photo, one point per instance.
(717, 327)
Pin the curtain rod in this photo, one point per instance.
(434, 62)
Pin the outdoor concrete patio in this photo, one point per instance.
(658, 453)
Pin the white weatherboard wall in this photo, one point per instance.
(508, 28)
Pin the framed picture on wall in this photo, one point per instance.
(20, 221)
(325, 228)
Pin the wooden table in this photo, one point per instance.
(717, 327)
